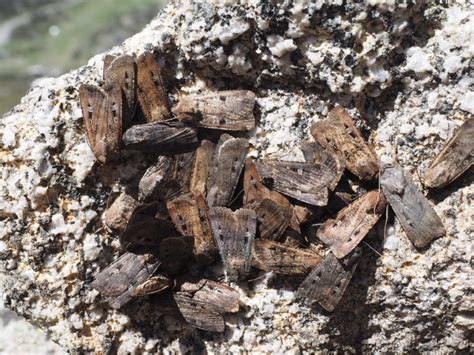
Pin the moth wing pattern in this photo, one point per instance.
(327, 282)
(352, 223)
(151, 89)
(273, 219)
(198, 314)
(455, 158)
(227, 165)
(202, 167)
(221, 297)
(269, 255)
(155, 177)
(340, 134)
(414, 212)
(155, 284)
(234, 233)
(228, 110)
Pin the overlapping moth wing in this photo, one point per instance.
(328, 281)
(155, 284)
(160, 137)
(255, 190)
(314, 153)
(283, 259)
(199, 314)
(152, 182)
(456, 157)
(227, 110)
(118, 282)
(119, 212)
(102, 111)
(176, 253)
(272, 218)
(227, 164)
(123, 71)
(190, 215)
(151, 90)
(339, 134)
(415, 213)
(306, 182)
(202, 167)
(352, 224)
(234, 233)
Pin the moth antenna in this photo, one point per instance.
(385, 224)
(266, 275)
(372, 248)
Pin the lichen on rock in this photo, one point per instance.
(403, 71)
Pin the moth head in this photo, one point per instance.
(186, 113)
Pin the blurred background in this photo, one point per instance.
(48, 38)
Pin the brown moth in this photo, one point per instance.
(155, 176)
(255, 190)
(227, 164)
(155, 284)
(120, 211)
(160, 137)
(118, 282)
(226, 110)
(123, 71)
(328, 281)
(108, 59)
(102, 111)
(199, 314)
(352, 224)
(151, 90)
(456, 157)
(190, 215)
(176, 253)
(234, 233)
(283, 259)
(202, 167)
(313, 152)
(272, 218)
(415, 213)
(306, 182)
(339, 134)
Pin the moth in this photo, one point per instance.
(120, 211)
(339, 134)
(145, 229)
(202, 167)
(328, 281)
(227, 164)
(103, 111)
(306, 182)
(168, 178)
(272, 218)
(176, 253)
(313, 152)
(234, 233)
(456, 157)
(127, 278)
(151, 90)
(203, 304)
(123, 71)
(416, 215)
(160, 137)
(352, 224)
(269, 255)
(255, 190)
(190, 215)
(226, 110)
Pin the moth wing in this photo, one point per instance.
(202, 167)
(272, 218)
(224, 228)
(224, 298)
(113, 125)
(154, 178)
(242, 245)
(198, 314)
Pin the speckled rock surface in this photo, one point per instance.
(405, 73)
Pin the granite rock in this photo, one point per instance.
(403, 71)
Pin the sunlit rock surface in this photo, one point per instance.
(403, 71)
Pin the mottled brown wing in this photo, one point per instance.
(305, 182)
(339, 134)
(202, 167)
(160, 137)
(414, 212)
(151, 90)
(234, 233)
(199, 314)
(123, 71)
(456, 157)
(118, 281)
(272, 219)
(226, 110)
(227, 165)
(155, 176)
(328, 281)
(352, 224)
(283, 259)
(155, 284)
(120, 211)
(176, 253)
(190, 216)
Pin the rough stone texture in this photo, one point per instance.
(405, 71)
